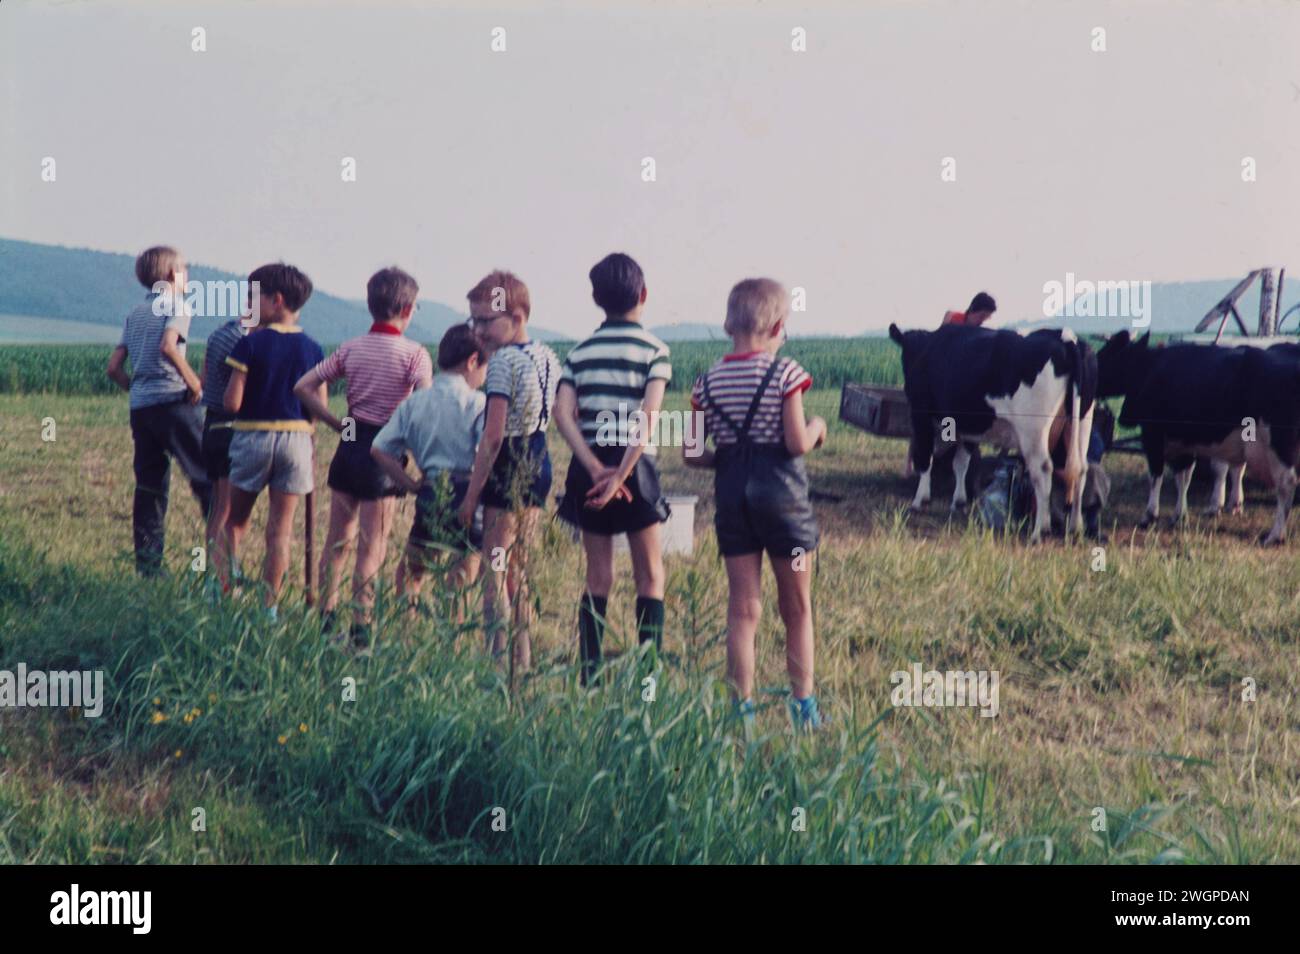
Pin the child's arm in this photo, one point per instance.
(800, 437)
(694, 435)
(494, 435)
(393, 468)
(168, 347)
(566, 419)
(233, 399)
(611, 486)
(313, 391)
(115, 369)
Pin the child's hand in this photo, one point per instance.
(196, 392)
(819, 425)
(607, 489)
(466, 512)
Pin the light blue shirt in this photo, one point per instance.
(440, 426)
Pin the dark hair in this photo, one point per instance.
(456, 346)
(285, 279)
(389, 291)
(982, 302)
(616, 283)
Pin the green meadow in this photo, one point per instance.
(1157, 694)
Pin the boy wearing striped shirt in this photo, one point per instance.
(512, 468)
(382, 368)
(165, 419)
(272, 442)
(218, 424)
(613, 483)
(752, 407)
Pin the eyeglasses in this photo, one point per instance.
(482, 321)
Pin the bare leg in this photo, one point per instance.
(279, 533)
(794, 598)
(339, 541)
(744, 609)
(232, 533)
(375, 522)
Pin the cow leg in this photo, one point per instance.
(1074, 525)
(1284, 478)
(922, 457)
(1236, 494)
(1153, 444)
(1220, 470)
(1038, 467)
(1182, 468)
(961, 459)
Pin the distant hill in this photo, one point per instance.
(690, 331)
(1176, 307)
(61, 292)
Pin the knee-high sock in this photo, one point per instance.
(591, 631)
(650, 620)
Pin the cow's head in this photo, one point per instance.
(912, 343)
(1115, 360)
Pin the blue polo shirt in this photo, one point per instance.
(274, 359)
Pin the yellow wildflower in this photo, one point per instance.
(284, 739)
(302, 727)
(157, 717)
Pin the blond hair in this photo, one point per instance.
(755, 306)
(499, 284)
(156, 264)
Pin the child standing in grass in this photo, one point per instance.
(165, 418)
(441, 427)
(218, 423)
(512, 469)
(382, 368)
(613, 484)
(751, 402)
(272, 443)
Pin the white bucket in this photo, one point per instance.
(678, 534)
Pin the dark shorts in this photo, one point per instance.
(436, 526)
(521, 475)
(354, 472)
(646, 508)
(761, 500)
(216, 444)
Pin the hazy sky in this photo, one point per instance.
(820, 169)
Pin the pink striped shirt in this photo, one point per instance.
(732, 383)
(382, 369)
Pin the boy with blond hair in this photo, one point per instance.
(751, 403)
(166, 421)
(512, 469)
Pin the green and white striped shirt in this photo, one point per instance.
(609, 372)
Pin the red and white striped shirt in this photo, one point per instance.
(732, 383)
(382, 368)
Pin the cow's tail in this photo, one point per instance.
(1073, 439)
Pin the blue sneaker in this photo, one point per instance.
(805, 715)
(748, 715)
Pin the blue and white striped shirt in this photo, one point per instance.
(154, 379)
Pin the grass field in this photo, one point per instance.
(1121, 690)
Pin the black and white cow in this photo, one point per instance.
(1193, 401)
(1032, 393)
